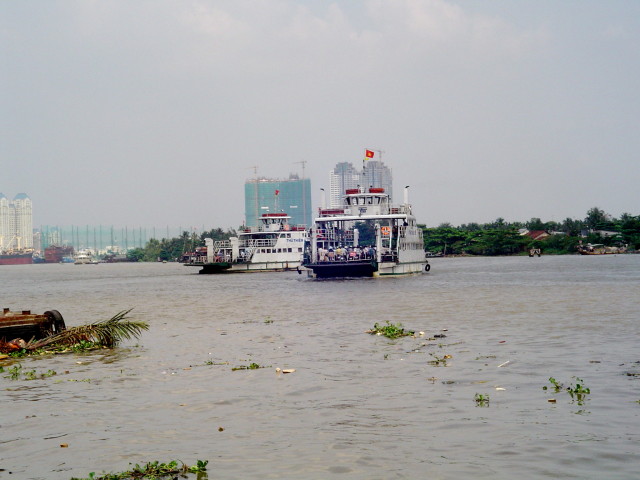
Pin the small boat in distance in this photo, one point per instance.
(85, 257)
(273, 246)
(395, 245)
(600, 249)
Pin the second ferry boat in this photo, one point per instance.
(273, 246)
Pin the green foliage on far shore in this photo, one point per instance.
(171, 249)
(503, 238)
(494, 238)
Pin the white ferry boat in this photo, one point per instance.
(396, 248)
(273, 246)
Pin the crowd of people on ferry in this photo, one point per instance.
(342, 254)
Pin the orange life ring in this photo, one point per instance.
(385, 231)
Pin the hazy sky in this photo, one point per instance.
(153, 112)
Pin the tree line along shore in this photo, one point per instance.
(491, 239)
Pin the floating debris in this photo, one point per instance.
(103, 333)
(286, 370)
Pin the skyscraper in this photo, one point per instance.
(344, 176)
(16, 222)
(376, 174)
(291, 196)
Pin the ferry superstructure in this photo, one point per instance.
(334, 248)
(273, 246)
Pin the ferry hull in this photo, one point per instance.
(342, 269)
(364, 269)
(229, 267)
(395, 269)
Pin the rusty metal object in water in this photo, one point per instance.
(27, 325)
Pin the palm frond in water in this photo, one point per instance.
(104, 332)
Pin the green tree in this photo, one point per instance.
(136, 254)
(444, 239)
(535, 224)
(366, 233)
(596, 218)
(630, 230)
(497, 241)
(572, 227)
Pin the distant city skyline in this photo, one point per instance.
(374, 173)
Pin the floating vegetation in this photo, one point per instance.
(390, 330)
(152, 471)
(251, 366)
(577, 392)
(557, 386)
(210, 362)
(16, 372)
(481, 400)
(439, 361)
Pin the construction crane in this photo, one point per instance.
(304, 193)
(303, 163)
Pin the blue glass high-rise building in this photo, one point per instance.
(291, 196)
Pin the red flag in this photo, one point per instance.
(277, 192)
(368, 153)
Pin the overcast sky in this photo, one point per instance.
(154, 112)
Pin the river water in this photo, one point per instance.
(358, 406)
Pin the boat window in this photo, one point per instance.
(288, 235)
(289, 250)
(369, 200)
(299, 249)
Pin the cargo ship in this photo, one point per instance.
(57, 254)
(16, 258)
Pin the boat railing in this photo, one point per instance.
(332, 235)
(286, 227)
(398, 209)
(218, 244)
(258, 242)
(389, 257)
